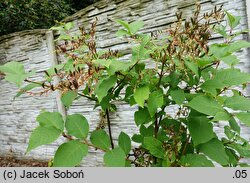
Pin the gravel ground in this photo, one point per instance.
(13, 162)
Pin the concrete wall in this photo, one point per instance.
(17, 118)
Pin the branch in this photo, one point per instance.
(185, 146)
(118, 84)
(69, 137)
(156, 116)
(214, 63)
(92, 145)
(109, 127)
(161, 74)
(34, 82)
(156, 125)
(90, 98)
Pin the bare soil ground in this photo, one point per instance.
(13, 162)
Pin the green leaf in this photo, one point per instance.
(233, 21)
(244, 117)
(178, 96)
(193, 67)
(221, 116)
(135, 26)
(147, 131)
(127, 163)
(69, 65)
(170, 123)
(162, 135)
(104, 86)
(70, 154)
(124, 24)
(154, 146)
(206, 105)
(210, 86)
(196, 160)
(231, 77)
(225, 78)
(244, 165)
(117, 65)
(219, 50)
(51, 119)
(142, 116)
(68, 98)
(100, 139)
(233, 158)
(201, 130)
(230, 60)
(229, 133)
(26, 88)
(121, 33)
(243, 150)
(137, 138)
(141, 94)
(68, 26)
(221, 29)
(145, 38)
(77, 125)
(174, 79)
(58, 28)
(64, 37)
(224, 51)
(155, 101)
(238, 103)
(42, 136)
(234, 125)
(115, 158)
(103, 62)
(237, 45)
(12, 67)
(139, 53)
(124, 142)
(215, 150)
(14, 72)
(105, 103)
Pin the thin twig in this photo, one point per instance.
(118, 84)
(161, 74)
(156, 125)
(90, 98)
(210, 65)
(92, 145)
(34, 82)
(185, 146)
(109, 127)
(69, 137)
(156, 116)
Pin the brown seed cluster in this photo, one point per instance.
(188, 38)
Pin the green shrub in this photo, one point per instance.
(184, 71)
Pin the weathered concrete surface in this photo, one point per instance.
(17, 118)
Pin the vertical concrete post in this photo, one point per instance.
(53, 59)
(248, 26)
(248, 12)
